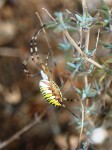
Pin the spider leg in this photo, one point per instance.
(69, 100)
(34, 51)
(25, 69)
(34, 45)
(70, 111)
(46, 64)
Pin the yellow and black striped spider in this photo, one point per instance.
(49, 89)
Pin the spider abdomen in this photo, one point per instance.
(51, 92)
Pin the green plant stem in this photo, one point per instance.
(87, 36)
(82, 124)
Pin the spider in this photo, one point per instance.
(48, 88)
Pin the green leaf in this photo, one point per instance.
(91, 67)
(57, 14)
(101, 42)
(103, 23)
(78, 91)
(79, 122)
(65, 46)
(58, 29)
(108, 46)
(87, 88)
(92, 93)
(77, 59)
(90, 52)
(104, 6)
(84, 96)
(90, 109)
(79, 17)
(52, 24)
(105, 15)
(71, 65)
(97, 86)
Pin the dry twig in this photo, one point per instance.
(17, 135)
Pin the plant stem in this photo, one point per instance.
(84, 6)
(110, 24)
(86, 81)
(49, 14)
(74, 43)
(87, 35)
(80, 51)
(82, 124)
(80, 36)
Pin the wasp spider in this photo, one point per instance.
(49, 89)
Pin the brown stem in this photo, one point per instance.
(80, 51)
(84, 6)
(87, 36)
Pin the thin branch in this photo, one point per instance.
(80, 37)
(87, 36)
(75, 45)
(49, 14)
(17, 135)
(97, 40)
(82, 124)
(82, 118)
(86, 81)
(49, 46)
(84, 6)
(110, 24)
(80, 51)
(44, 31)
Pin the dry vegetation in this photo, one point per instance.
(21, 104)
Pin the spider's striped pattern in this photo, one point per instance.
(52, 95)
(49, 89)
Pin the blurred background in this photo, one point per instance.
(20, 98)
